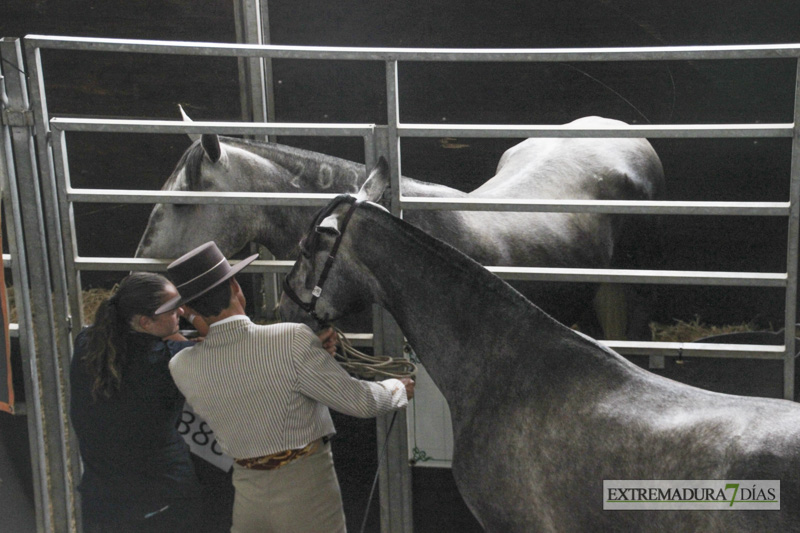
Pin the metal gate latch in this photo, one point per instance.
(15, 116)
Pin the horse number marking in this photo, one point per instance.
(324, 179)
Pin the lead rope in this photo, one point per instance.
(375, 481)
(371, 367)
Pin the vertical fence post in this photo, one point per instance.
(61, 320)
(14, 91)
(395, 472)
(792, 251)
(255, 73)
(49, 409)
(257, 102)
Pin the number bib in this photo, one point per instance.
(201, 440)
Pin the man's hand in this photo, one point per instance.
(409, 384)
(197, 321)
(329, 339)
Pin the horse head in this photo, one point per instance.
(319, 289)
(223, 164)
(211, 166)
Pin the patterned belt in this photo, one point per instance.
(279, 459)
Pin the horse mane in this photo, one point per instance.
(468, 269)
(193, 157)
(466, 272)
(296, 161)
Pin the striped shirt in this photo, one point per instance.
(265, 389)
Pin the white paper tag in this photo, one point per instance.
(201, 440)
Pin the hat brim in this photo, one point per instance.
(180, 300)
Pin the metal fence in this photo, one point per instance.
(397, 130)
(58, 196)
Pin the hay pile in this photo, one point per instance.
(682, 331)
(91, 301)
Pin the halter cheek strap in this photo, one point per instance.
(317, 291)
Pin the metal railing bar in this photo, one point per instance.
(669, 349)
(184, 197)
(108, 125)
(129, 196)
(764, 51)
(697, 349)
(666, 131)
(668, 277)
(663, 277)
(598, 206)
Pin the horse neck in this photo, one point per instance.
(473, 332)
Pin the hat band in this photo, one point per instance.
(187, 288)
(185, 283)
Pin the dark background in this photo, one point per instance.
(149, 86)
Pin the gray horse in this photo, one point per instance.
(543, 168)
(542, 414)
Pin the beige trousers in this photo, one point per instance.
(301, 497)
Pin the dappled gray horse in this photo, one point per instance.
(543, 168)
(542, 414)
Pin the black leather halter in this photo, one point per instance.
(317, 292)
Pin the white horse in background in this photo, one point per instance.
(537, 168)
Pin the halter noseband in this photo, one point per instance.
(317, 292)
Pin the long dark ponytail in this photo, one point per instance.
(140, 293)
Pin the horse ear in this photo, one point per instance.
(376, 184)
(210, 143)
(192, 136)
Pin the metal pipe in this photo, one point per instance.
(792, 246)
(47, 410)
(665, 53)
(109, 125)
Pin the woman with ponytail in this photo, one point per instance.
(138, 474)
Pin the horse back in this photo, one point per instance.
(578, 168)
(555, 460)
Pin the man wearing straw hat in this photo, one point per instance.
(265, 391)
